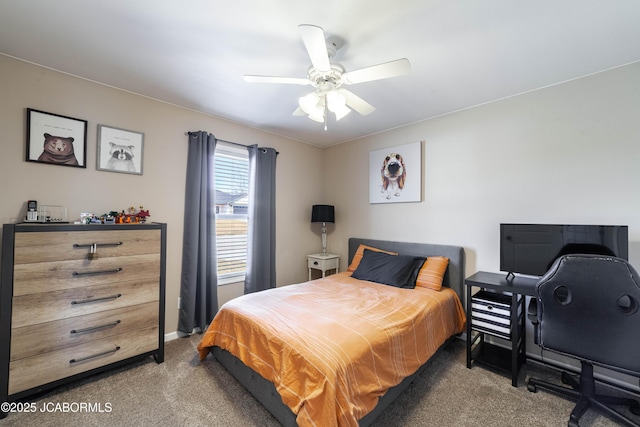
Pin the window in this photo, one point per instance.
(231, 200)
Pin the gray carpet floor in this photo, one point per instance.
(183, 391)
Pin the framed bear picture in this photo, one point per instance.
(119, 150)
(56, 139)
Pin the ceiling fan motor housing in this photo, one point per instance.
(329, 80)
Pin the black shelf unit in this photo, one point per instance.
(502, 318)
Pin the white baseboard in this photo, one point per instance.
(174, 335)
(170, 336)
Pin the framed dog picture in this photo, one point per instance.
(119, 150)
(395, 174)
(56, 139)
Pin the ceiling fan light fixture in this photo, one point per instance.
(317, 112)
(309, 103)
(316, 104)
(337, 104)
(335, 101)
(313, 104)
(341, 112)
(317, 116)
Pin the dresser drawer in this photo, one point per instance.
(34, 371)
(60, 275)
(37, 247)
(32, 340)
(46, 307)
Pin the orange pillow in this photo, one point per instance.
(432, 272)
(357, 257)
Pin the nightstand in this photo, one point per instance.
(323, 262)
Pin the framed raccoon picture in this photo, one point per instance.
(119, 150)
(56, 139)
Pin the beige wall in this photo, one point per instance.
(565, 154)
(161, 188)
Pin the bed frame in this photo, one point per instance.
(265, 392)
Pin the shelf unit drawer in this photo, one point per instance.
(491, 313)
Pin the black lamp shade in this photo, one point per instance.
(322, 213)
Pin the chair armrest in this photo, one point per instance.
(532, 311)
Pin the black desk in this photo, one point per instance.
(480, 351)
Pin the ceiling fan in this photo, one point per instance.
(329, 78)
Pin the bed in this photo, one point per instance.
(313, 354)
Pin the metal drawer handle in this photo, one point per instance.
(104, 353)
(88, 245)
(95, 328)
(90, 300)
(96, 272)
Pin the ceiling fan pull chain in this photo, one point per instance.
(325, 115)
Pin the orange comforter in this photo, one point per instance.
(334, 345)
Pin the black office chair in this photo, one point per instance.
(589, 309)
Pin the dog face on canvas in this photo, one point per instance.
(393, 175)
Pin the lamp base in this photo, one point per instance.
(324, 238)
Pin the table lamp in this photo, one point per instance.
(323, 214)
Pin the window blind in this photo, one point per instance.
(231, 199)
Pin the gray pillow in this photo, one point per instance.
(400, 271)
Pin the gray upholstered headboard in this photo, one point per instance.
(454, 277)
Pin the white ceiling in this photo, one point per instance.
(194, 53)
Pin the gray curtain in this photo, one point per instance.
(261, 255)
(199, 281)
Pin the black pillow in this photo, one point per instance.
(400, 271)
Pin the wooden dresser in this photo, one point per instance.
(76, 300)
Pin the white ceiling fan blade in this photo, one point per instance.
(299, 112)
(275, 79)
(378, 72)
(314, 41)
(357, 103)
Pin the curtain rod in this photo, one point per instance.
(220, 140)
(227, 142)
